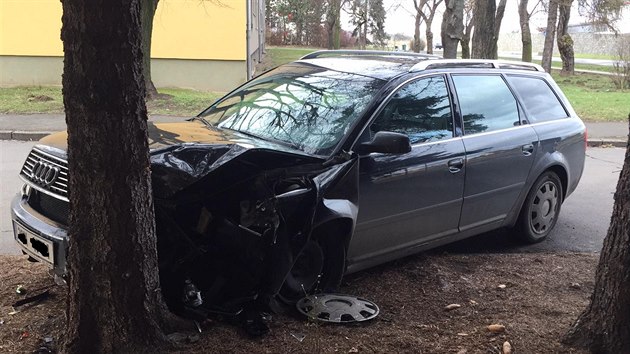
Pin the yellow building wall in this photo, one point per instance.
(182, 29)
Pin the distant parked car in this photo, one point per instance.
(334, 163)
(438, 46)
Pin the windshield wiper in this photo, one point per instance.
(204, 121)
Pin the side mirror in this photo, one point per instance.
(386, 143)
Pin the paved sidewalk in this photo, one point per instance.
(36, 126)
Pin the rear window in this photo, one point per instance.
(539, 100)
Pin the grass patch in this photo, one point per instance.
(283, 55)
(595, 56)
(31, 99)
(593, 67)
(594, 97)
(48, 99)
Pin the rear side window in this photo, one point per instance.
(538, 98)
(486, 103)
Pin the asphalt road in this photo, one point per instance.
(582, 225)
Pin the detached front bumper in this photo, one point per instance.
(38, 236)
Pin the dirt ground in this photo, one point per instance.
(535, 296)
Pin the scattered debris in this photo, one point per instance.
(502, 286)
(462, 334)
(576, 286)
(462, 351)
(496, 328)
(39, 98)
(21, 290)
(24, 334)
(1, 322)
(507, 348)
(337, 308)
(452, 307)
(299, 336)
(39, 297)
(13, 312)
(473, 302)
(353, 350)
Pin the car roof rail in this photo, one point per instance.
(475, 63)
(384, 53)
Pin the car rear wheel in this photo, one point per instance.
(541, 208)
(317, 269)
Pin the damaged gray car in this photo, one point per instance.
(332, 164)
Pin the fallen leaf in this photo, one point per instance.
(452, 307)
(496, 328)
(576, 285)
(507, 348)
(502, 286)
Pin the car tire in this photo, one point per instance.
(318, 268)
(541, 208)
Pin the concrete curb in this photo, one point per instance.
(34, 136)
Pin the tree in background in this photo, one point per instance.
(524, 15)
(487, 22)
(550, 34)
(452, 27)
(604, 327)
(368, 16)
(114, 302)
(565, 42)
(147, 9)
(333, 23)
(469, 11)
(427, 11)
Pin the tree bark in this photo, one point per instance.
(429, 35)
(526, 33)
(114, 303)
(416, 33)
(466, 41)
(452, 27)
(565, 42)
(147, 8)
(550, 35)
(498, 19)
(483, 44)
(604, 327)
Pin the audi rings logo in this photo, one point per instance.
(45, 173)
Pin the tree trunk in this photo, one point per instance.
(604, 327)
(550, 35)
(565, 42)
(337, 29)
(452, 27)
(114, 303)
(147, 8)
(466, 41)
(483, 43)
(497, 26)
(416, 33)
(526, 33)
(429, 35)
(332, 23)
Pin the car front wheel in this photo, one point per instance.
(541, 208)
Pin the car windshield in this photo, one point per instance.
(302, 106)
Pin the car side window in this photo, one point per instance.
(539, 100)
(421, 109)
(486, 103)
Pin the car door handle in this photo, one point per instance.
(528, 149)
(455, 165)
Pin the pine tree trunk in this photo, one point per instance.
(550, 35)
(604, 327)
(114, 303)
(565, 42)
(452, 27)
(526, 33)
(147, 8)
(483, 43)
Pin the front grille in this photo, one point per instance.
(47, 172)
(49, 206)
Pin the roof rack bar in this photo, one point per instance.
(468, 63)
(337, 53)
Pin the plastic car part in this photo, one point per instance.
(337, 308)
